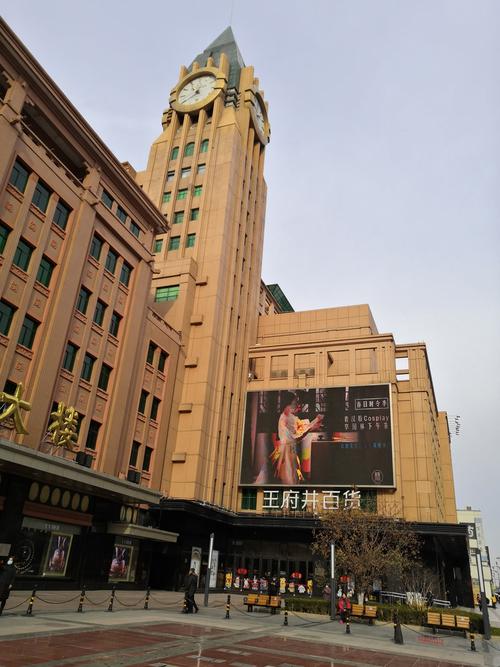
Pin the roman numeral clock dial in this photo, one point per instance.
(198, 90)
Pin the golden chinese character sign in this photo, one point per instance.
(63, 429)
(11, 406)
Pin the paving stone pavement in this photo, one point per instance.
(134, 637)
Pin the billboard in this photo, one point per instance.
(337, 436)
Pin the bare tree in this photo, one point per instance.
(368, 546)
(421, 583)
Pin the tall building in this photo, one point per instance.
(477, 544)
(205, 403)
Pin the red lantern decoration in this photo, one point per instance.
(241, 570)
(296, 575)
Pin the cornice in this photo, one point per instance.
(296, 345)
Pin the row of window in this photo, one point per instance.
(22, 257)
(41, 196)
(175, 242)
(111, 260)
(162, 357)
(134, 456)
(183, 193)
(189, 149)
(305, 364)
(169, 293)
(178, 217)
(28, 329)
(186, 172)
(120, 213)
(70, 355)
(82, 303)
(155, 405)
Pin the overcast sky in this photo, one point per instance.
(383, 167)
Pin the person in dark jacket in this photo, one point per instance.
(190, 587)
(7, 576)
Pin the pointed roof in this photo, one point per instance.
(224, 43)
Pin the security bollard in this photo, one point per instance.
(228, 606)
(184, 606)
(82, 598)
(29, 611)
(398, 634)
(347, 624)
(112, 599)
(472, 642)
(285, 620)
(146, 601)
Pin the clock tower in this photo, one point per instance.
(205, 173)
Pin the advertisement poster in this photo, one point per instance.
(196, 560)
(214, 566)
(120, 564)
(58, 551)
(338, 436)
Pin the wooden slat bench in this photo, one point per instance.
(364, 611)
(273, 602)
(438, 621)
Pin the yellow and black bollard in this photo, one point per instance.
(82, 598)
(112, 599)
(472, 642)
(347, 624)
(29, 611)
(285, 620)
(398, 634)
(228, 606)
(185, 606)
(146, 601)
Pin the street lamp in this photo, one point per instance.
(332, 580)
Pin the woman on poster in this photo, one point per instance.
(291, 431)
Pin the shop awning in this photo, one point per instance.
(26, 462)
(141, 532)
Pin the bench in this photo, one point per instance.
(364, 611)
(273, 602)
(438, 621)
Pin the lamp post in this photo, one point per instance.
(209, 569)
(332, 580)
(482, 592)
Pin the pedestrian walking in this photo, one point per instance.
(344, 608)
(190, 587)
(7, 576)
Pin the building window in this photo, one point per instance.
(169, 293)
(83, 300)
(189, 150)
(28, 332)
(201, 168)
(134, 454)
(135, 229)
(100, 309)
(366, 360)
(204, 146)
(96, 247)
(41, 196)
(61, 215)
(197, 190)
(170, 176)
(88, 367)
(111, 261)
(121, 214)
(19, 176)
(107, 199)
(167, 196)
(249, 499)
(146, 462)
(104, 376)
(45, 271)
(151, 352)
(6, 314)
(22, 255)
(182, 194)
(178, 217)
(4, 235)
(69, 357)
(114, 325)
(338, 362)
(304, 364)
(142, 402)
(279, 366)
(195, 214)
(190, 240)
(256, 368)
(92, 435)
(158, 245)
(174, 242)
(185, 171)
(162, 360)
(125, 274)
(175, 153)
(155, 406)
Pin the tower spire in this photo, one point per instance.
(224, 43)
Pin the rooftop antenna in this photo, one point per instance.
(231, 13)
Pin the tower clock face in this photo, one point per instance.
(259, 117)
(197, 89)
